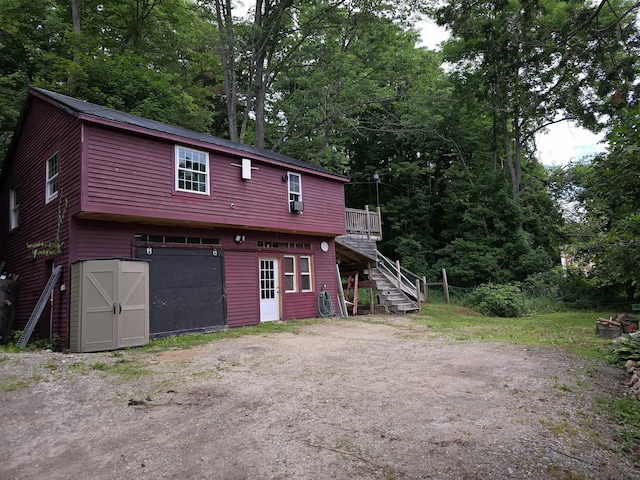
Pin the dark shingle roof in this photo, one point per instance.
(86, 108)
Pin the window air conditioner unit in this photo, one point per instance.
(297, 207)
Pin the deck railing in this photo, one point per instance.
(364, 222)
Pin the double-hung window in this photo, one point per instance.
(295, 193)
(290, 280)
(297, 273)
(52, 177)
(14, 208)
(192, 170)
(305, 274)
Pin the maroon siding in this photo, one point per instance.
(44, 130)
(241, 284)
(133, 175)
(112, 174)
(96, 239)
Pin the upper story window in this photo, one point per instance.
(295, 193)
(52, 177)
(14, 208)
(192, 170)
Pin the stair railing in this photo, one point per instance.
(407, 281)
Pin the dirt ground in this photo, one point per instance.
(383, 398)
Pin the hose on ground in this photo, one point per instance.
(325, 305)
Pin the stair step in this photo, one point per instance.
(395, 299)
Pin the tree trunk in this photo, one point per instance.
(227, 56)
(75, 22)
(513, 158)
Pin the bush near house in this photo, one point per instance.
(498, 300)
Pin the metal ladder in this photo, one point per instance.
(28, 329)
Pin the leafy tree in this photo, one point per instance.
(540, 62)
(605, 227)
(153, 58)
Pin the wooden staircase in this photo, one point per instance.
(392, 296)
(357, 252)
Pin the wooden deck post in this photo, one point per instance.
(355, 296)
(426, 290)
(445, 285)
(399, 272)
(368, 220)
(418, 292)
(371, 305)
(341, 299)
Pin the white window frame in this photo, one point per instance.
(52, 180)
(290, 274)
(14, 208)
(304, 274)
(294, 195)
(181, 154)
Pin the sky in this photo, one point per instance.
(562, 143)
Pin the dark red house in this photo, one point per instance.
(234, 234)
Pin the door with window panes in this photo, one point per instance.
(269, 290)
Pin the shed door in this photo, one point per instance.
(99, 292)
(186, 291)
(269, 290)
(133, 312)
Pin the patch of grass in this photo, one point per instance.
(570, 330)
(561, 429)
(124, 367)
(78, 367)
(18, 383)
(565, 474)
(184, 342)
(204, 374)
(51, 365)
(100, 366)
(627, 412)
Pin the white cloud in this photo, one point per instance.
(565, 142)
(431, 34)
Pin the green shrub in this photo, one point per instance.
(626, 348)
(34, 343)
(498, 300)
(546, 284)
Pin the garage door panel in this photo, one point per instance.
(186, 291)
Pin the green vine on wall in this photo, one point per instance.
(46, 249)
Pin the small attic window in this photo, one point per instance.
(14, 208)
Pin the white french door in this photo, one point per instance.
(269, 290)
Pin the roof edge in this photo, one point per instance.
(87, 111)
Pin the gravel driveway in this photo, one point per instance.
(372, 398)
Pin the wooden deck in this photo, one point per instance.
(364, 222)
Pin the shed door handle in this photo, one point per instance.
(114, 308)
(120, 305)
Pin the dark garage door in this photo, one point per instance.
(186, 291)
